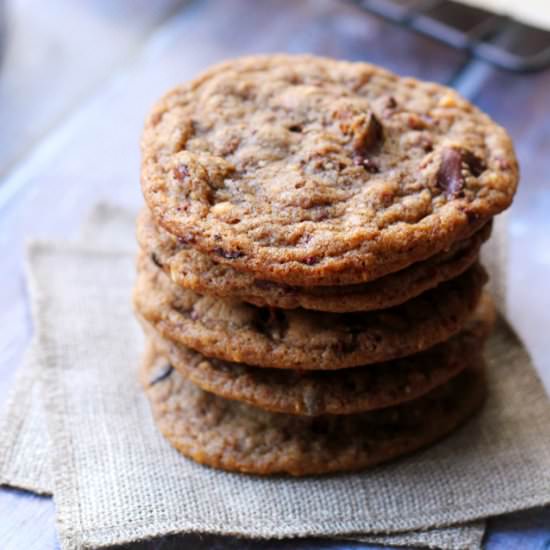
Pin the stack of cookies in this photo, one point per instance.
(308, 279)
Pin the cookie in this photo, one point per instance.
(311, 171)
(300, 339)
(345, 391)
(199, 272)
(237, 437)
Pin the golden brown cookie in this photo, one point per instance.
(311, 171)
(345, 391)
(300, 339)
(199, 272)
(237, 437)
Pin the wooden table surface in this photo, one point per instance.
(76, 80)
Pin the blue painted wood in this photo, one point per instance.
(26, 521)
(528, 530)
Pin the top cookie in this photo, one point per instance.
(305, 170)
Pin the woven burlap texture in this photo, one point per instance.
(82, 522)
(24, 445)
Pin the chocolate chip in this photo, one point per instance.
(454, 162)
(278, 324)
(449, 176)
(311, 260)
(425, 143)
(228, 254)
(391, 102)
(368, 164)
(181, 309)
(155, 260)
(272, 322)
(475, 164)
(295, 128)
(367, 135)
(181, 172)
(161, 374)
(186, 240)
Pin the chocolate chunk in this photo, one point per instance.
(295, 128)
(272, 322)
(278, 324)
(161, 374)
(474, 163)
(311, 260)
(454, 162)
(155, 260)
(449, 176)
(186, 240)
(425, 143)
(367, 135)
(182, 310)
(391, 102)
(368, 164)
(228, 254)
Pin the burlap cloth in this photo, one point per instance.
(115, 479)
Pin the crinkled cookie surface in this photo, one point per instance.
(313, 171)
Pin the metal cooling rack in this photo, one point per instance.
(498, 39)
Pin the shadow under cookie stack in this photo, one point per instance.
(308, 277)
